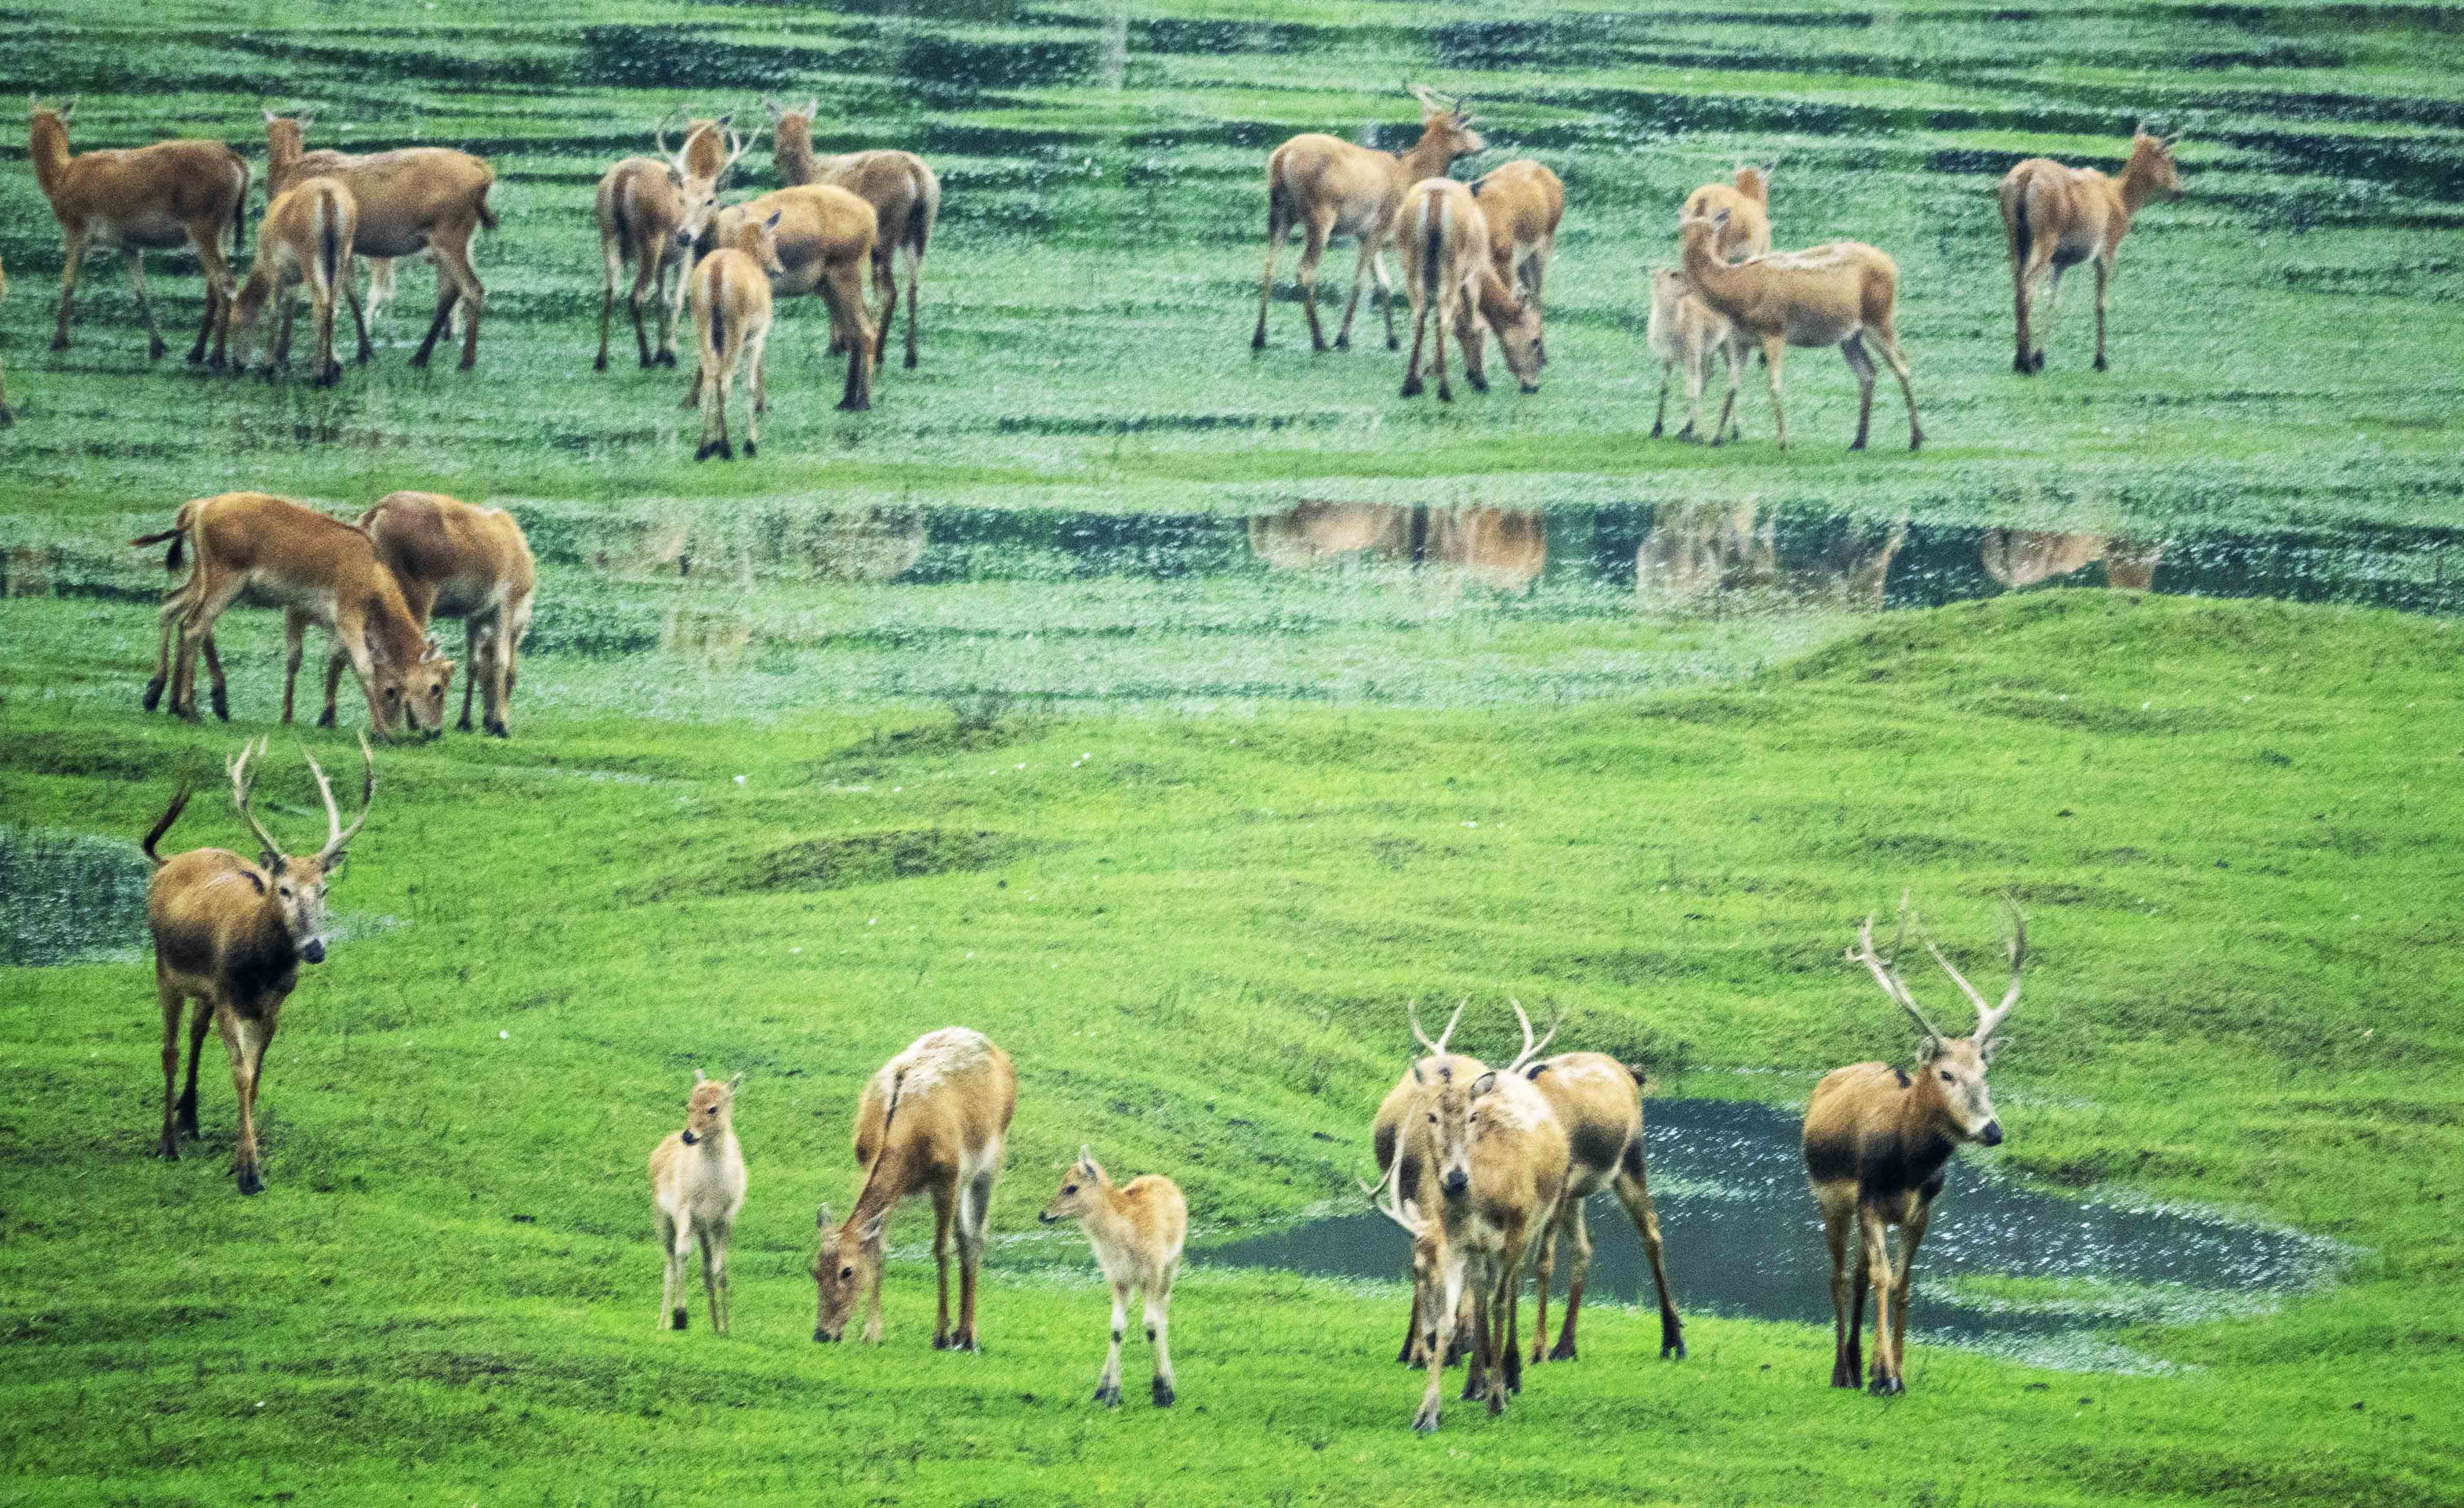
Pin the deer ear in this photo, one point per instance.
(700, 1078)
(1484, 1083)
(256, 879)
(724, 121)
(1416, 1076)
(870, 1234)
(813, 110)
(1928, 1049)
(772, 223)
(1720, 219)
(675, 175)
(733, 1082)
(822, 1219)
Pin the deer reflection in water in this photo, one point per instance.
(1501, 548)
(859, 545)
(1722, 555)
(2020, 557)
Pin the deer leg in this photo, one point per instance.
(844, 289)
(886, 276)
(1698, 376)
(1877, 1269)
(914, 287)
(1911, 1231)
(1853, 349)
(175, 606)
(1846, 1265)
(873, 1310)
(1659, 420)
(452, 258)
(200, 1020)
(1728, 406)
(295, 649)
(710, 1270)
(1434, 1341)
(513, 623)
(1108, 1386)
(1886, 340)
(1158, 1328)
(612, 267)
(171, 999)
(945, 1200)
(1474, 335)
(671, 1316)
(478, 646)
(1633, 1186)
(1508, 1354)
(726, 1296)
(1578, 1225)
(1476, 1297)
(72, 253)
(1320, 226)
(1277, 227)
(349, 277)
(336, 659)
(679, 1247)
(382, 289)
(209, 601)
(1544, 1272)
(1420, 338)
(650, 273)
(1445, 303)
(206, 235)
(245, 1039)
(135, 261)
(710, 389)
(2052, 293)
(2104, 275)
(1774, 352)
(671, 303)
(282, 356)
(975, 1220)
(220, 693)
(757, 390)
(329, 371)
(445, 294)
(1360, 273)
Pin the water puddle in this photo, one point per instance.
(2003, 1267)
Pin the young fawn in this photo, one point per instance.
(1137, 1231)
(698, 1185)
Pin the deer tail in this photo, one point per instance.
(177, 534)
(1434, 228)
(239, 209)
(2014, 215)
(329, 240)
(179, 802)
(487, 215)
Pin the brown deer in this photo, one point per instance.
(1877, 1138)
(2057, 217)
(1598, 1101)
(697, 1189)
(1391, 1145)
(452, 560)
(149, 199)
(1137, 1231)
(2024, 557)
(653, 212)
(1748, 201)
(1446, 267)
(413, 200)
(306, 238)
(826, 236)
(731, 300)
(277, 553)
(1328, 187)
(1687, 336)
(906, 198)
(1708, 554)
(931, 1121)
(231, 934)
(1836, 294)
(1524, 204)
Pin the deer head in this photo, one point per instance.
(298, 883)
(1952, 1068)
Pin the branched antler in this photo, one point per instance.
(1531, 1049)
(1887, 975)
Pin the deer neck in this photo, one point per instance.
(398, 635)
(792, 151)
(883, 1185)
(1498, 304)
(49, 147)
(2138, 184)
(1427, 158)
(282, 153)
(1714, 276)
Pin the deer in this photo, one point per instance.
(906, 198)
(825, 238)
(2017, 558)
(148, 199)
(1524, 203)
(696, 1189)
(1686, 335)
(412, 200)
(1718, 550)
(653, 212)
(1328, 187)
(1876, 1140)
(1446, 267)
(731, 300)
(451, 560)
(306, 238)
(1389, 1145)
(1137, 1231)
(1747, 198)
(1836, 294)
(274, 552)
(2057, 217)
(230, 936)
(930, 1121)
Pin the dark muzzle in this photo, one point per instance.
(313, 951)
(692, 1140)
(821, 1339)
(1458, 1181)
(1991, 1134)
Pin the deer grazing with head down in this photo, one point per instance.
(152, 199)
(1877, 1139)
(1524, 203)
(1328, 187)
(906, 198)
(696, 1189)
(231, 934)
(653, 212)
(931, 1121)
(1446, 266)
(730, 305)
(2057, 217)
(826, 239)
(306, 238)
(1747, 199)
(1137, 1231)
(1391, 1145)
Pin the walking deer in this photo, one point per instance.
(306, 238)
(1446, 266)
(2057, 217)
(731, 299)
(906, 198)
(1137, 1231)
(1836, 294)
(931, 1121)
(1328, 187)
(149, 199)
(1747, 199)
(1688, 335)
(653, 212)
(231, 934)
(1877, 1138)
(1523, 203)
(1598, 1101)
(826, 238)
(696, 1189)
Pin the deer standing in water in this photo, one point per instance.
(1137, 1231)
(2057, 217)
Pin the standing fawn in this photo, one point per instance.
(696, 1186)
(731, 300)
(826, 235)
(1524, 204)
(306, 238)
(1137, 1231)
(906, 198)
(1686, 335)
(2057, 217)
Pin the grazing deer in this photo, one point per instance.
(1328, 187)
(277, 553)
(931, 1121)
(697, 1187)
(1877, 1138)
(413, 200)
(2057, 217)
(826, 236)
(906, 198)
(1523, 202)
(1392, 1147)
(653, 212)
(231, 934)
(1748, 232)
(1836, 294)
(450, 560)
(1446, 266)
(1686, 335)
(1137, 1231)
(150, 199)
(1598, 1101)
(731, 300)
(1699, 550)
(306, 238)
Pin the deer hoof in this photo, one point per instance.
(750, 449)
(1411, 387)
(222, 705)
(2024, 365)
(2100, 363)
(679, 1319)
(1343, 342)
(1109, 1396)
(1886, 1385)
(1445, 394)
(667, 358)
(154, 351)
(1672, 1350)
(249, 1183)
(1163, 1394)
(59, 343)
(499, 730)
(911, 361)
(1564, 1352)
(167, 1148)
(1479, 383)
(153, 693)
(1425, 1422)
(597, 366)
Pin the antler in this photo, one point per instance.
(1988, 1017)
(1431, 100)
(1887, 975)
(1531, 1049)
(338, 837)
(242, 785)
(1437, 1049)
(742, 145)
(659, 134)
(1393, 1208)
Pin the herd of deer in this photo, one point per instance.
(1475, 254)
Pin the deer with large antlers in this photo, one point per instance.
(231, 934)
(1391, 1146)
(652, 210)
(931, 1121)
(2057, 217)
(906, 198)
(1327, 187)
(1876, 1140)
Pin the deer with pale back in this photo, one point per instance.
(696, 1190)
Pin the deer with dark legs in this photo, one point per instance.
(1448, 268)
(1326, 187)
(307, 239)
(230, 936)
(731, 300)
(2057, 217)
(825, 238)
(653, 212)
(932, 1120)
(1391, 1148)
(1877, 1142)
(1137, 1231)
(906, 198)
(697, 1189)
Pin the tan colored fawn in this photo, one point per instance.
(906, 198)
(1876, 1140)
(1137, 1231)
(1747, 198)
(149, 199)
(1687, 336)
(2057, 217)
(651, 213)
(1448, 268)
(231, 934)
(1326, 187)
(826, 238)
(931, 1121)
(1524, 203)
(731, 308)
(697, 1187)
(307, 239)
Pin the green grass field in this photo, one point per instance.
(995, 706)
